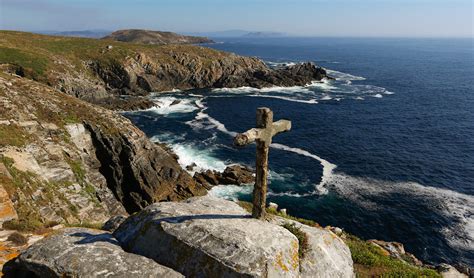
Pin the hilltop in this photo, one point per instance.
(154, 37)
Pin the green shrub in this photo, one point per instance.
(301, 236)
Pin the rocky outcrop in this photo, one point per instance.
(191, 70)
(234, 174)
(113, 223)
(448, 271)
(212, 237)
(154, 37)
(138, 171)
(63, 160)
(80, 252)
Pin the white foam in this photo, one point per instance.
(167, 137)
(311, 101)
(328, 167)
(274, 89)
(281, 64)
(326, 97)
(450, 203)
(378, 96)
(290, 194)
(189, 154)
(343, 76)
(165, 92)
(166, 105)
(230, 191)
(325, 85)
(204, 121)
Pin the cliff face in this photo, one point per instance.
(154, 37)
(64, 160)
(101, 71)
(142, 73)
(139, 172)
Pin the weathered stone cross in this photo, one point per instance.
(263, 134)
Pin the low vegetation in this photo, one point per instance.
(17, 239)
(13, 135)
(370, 260)
(89, 225)
(302, 237)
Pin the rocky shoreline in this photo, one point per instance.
(68, 163)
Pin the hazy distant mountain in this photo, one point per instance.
(264, 35)
(238, 34)
(154, 37)
(219, 34)
(81, 34)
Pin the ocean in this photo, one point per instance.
(385, 151)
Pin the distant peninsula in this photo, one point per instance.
(154, 37)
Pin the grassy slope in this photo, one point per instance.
(41, 56)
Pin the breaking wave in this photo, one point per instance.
(171, 105)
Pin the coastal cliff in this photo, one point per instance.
(117, 75)
(65, 161)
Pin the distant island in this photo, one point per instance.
(154, 37)
(264, 35)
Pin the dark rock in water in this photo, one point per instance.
(177, 101)
(191, 166)
(113, 223)
(295, 75)
(234, 174)
(139, 172)
(305, 72)
(128, 104)
(80, 252)
(238, 175)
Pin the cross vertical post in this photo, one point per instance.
(262, 135)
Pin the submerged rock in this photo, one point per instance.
(80, 252)
(210, 237)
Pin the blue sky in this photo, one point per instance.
(398, 18)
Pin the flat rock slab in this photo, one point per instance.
(210, 237)
(80, 252)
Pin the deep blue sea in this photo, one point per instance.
(385, 151)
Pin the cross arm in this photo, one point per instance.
(280, 126)
(247, 137)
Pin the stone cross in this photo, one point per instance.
(262, 134)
